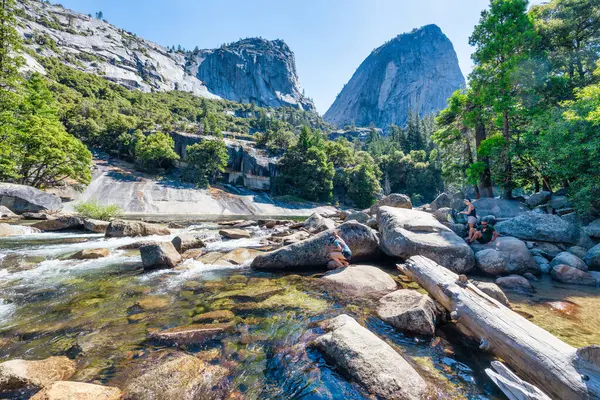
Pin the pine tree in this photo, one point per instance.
(99, 15)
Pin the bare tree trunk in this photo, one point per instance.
(507, 163)
(485, 180)
(463, 132)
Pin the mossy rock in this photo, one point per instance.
(237, 279)
(214, 317)
(251, 292)
(153, 302)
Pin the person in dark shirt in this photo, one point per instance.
(485, 234)
(339, 252)
(471, 214)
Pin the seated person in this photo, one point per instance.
(339, 252)
(485, 234)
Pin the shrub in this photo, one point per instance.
(91, 209)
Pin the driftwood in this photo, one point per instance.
(511, 385)
(534, 354)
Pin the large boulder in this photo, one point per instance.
(370, 361)
(361, 279)
(547, 250)
(444, 200)
(492, 290)
(186, 241)
(235, 233)
(505, 255)
(542, 227)
(64, 390)
(316, 223)
(578, 251)
(565, 274)
(160, 255)
(537, 199)
(395, 200)
(10, 230)
(444, 214)
(21, 198)
(560, 202)
(5, 213)
(593, 229)
(95, 225)
(569, 259)
(23, 374)
(406, 233)
(63, 222)
(120, 228)
(592, 257)
(499, 208)
(408, 310)
(359, 216)
(175, 377)
(314, 252)
(516, 283)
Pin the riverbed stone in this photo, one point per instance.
(505, 255)
(234, 233)
(578, 251)
(90, 254)
(176, 377)
(492, 290)
(21, 374)
(406, 233)
(60, 223)
(121, 228)
(10, 230)
(359, 216)
(593, 229)
(569, 259)
(316, 223)
(499, 208)
(186, 241)
(395, 200)
(191, 334)
(65, 390)
(408, 310)
(547, 250)
(442, 201)
(566, 274)
(314, 253)
(213, 317)
(95, 225)
(370, 361)
(23, 198)
(517, 283)
(6, 213)
(365, 280)
(539, 198)
(160, 255)
(540, 227)
(592, 257)
(37, 216)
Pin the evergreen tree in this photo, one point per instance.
(99, 15)
(205, 161)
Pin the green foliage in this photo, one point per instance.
(155, 151)
(91, 209)
(362, 184)
(205, 160)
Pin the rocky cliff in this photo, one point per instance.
(416, 72)
(252, 70)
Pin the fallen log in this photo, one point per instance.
(537, 356)
(511, 385)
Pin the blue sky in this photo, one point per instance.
(330, 38)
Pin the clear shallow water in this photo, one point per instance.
(101, 313)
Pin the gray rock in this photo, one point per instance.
(5, 213)
(593, 229)
(160, 255)
(359, 216)
(95, 225)
(565, 274)
(444, 200)
(396, 200)
(25, 374)
(541, 227)
(537, 199)
(539, 260)
(444, 214)
(234, 233)
(516, 283)
(584, 240)
(405, 233)
(120, 228)
(530, 277)
(499, 208)
(63, 390)
(90, 254)
(545, 249)
(461, 230)
(370, 361)
(578, 251)
(560, 202)
(186, 241)
(60, 223)
(545, 268)
(316, 223)
(365, 280)
(569, 259)
(492, 290)
(408, 310)
(10, 230)
(372, 223)
(313, 252)
(415, 71)
(22, 198)
(592, 257)
(505, 255)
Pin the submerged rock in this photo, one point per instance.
(10, 230)
(22, 198)
(234, 233)
(406, 233)
(492, 290)
(361, 279)
(160, 255)
(313, 252)
(408, 310)
(120, 228)
(569, 259)
(21, 374)
(516, 283)
(63, 390)
(505, 255)
(566, 274)
(213, 317)
(90, 254)
(370, 361)
(191, 334)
